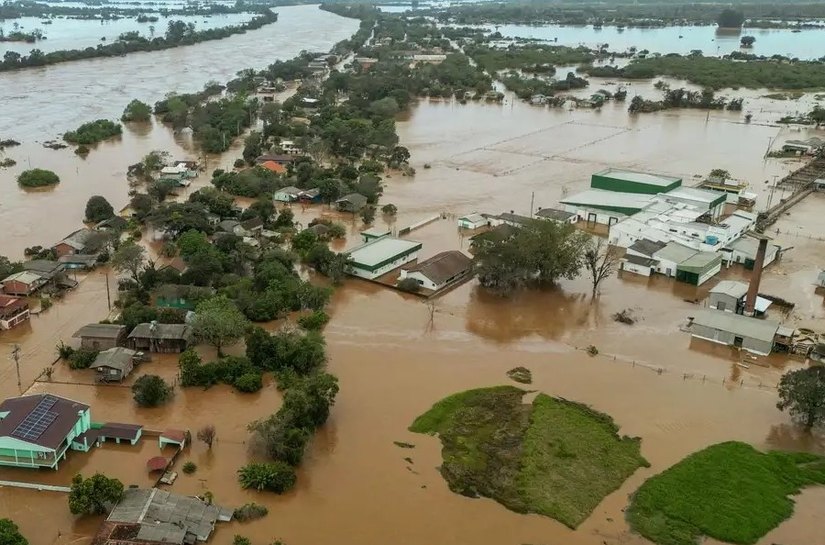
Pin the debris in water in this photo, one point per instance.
(625, 317)
(592, 350)
(402, 444)
(521, 375)
(408, 460)
(54, 144)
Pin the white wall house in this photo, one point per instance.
(439, 271)
(472, 221)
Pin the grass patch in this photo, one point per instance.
(573, 457)
(729, 491)
(554, 457)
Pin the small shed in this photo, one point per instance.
(374, 233)
(638, 264)
(166, 338)
(728, 296)
(752, 334)
(352, 203)
(101, 336)
(115, 364)
(310, 196)
(115, 223)
(472, 221)
(554, 214)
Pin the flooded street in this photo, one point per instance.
(392, 361)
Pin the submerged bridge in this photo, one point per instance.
(801, 182)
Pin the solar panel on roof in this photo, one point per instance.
(37, 421)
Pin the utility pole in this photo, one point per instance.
(15, 353)
(108, 295)
(532, 200)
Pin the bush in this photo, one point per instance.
(64, 351)
(151, 391)
(315, 321)
(189, 468)
(82, 358)
(275, 477)
(93, 132)
(389, 209)
(240, 540)
(10, 533)
(239, 163)
(248, 383)
(37, 177)
(409, 285)
(250, 511)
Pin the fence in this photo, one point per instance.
(36, 486)
(703, 378)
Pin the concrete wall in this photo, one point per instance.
(634, 268)
(729, 302)
(601, 216)
(727, 338)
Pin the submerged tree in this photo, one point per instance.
(219, 322)
(93, 496)
(601, 261)
(730, 18)
(207, 435)
(151, 391)
(137, 111)
(130, 258)
(10, 534)
(802, 393)
(98, 209)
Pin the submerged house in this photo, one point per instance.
(13, 311)
(37, 430)
(23, 283)
(78, 242)
(155, 337)
(352, 203)
(287, 194)
(151, 515)
(440, 270)
(115, 364)
(472, 221)
(752, 334)
(101, 336)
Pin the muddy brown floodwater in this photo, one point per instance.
(393, 362)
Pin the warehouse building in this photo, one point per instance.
(631, 181)
(751, 334)
(380, 256)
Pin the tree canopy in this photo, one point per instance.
(730, 18)
(537, 254)
(137, 111)
(219, 322)
(151, 391)
(94, 495)
(98, 209)
(802, 393)
(10, 534)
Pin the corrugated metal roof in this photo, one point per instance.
(381, 249)
(638, 177)
(743, 326)
(675, 252)
(731, 288)
(599, 198)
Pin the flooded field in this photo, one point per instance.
(392, 360)
(82, 33)
(675, 39)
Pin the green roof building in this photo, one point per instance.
(630, 181)
(699, 268)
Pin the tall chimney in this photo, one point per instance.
(756, 277)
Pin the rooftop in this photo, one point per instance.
(647, 247)
(732, 288)
(639, 260)
(700, 260)
(376, 251)
(693, 194)
(554, 214)
(638, 177)
(162, 331)
(375, 232)
(600, 198)
(353, 198)
(675, 252)
(442, 267)
(44, 267)
(24, 277)
(116, 358)
(166, 517)
(41, 419)
(744, 326)
(277, 168)
(513, 218)
(103, 331)
(290, 190)
(78, 239)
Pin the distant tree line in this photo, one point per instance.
(178, 34)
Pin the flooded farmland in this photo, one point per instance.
(392, 361)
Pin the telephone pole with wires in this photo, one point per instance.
(15, 353)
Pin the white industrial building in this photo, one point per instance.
(379, 256)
